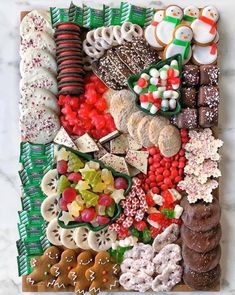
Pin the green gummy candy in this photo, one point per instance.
(110, 210)
(89, 198)
(112, 16)
(146, 235)
(169, 213)
(74, 163)
(152, 88)
(63, 183)
(92, 176)
(135, 232)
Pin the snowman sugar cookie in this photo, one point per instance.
(181, 43)
(203, 55)
(165, 30)
(190, 14)
(204, 28)
(150, 31)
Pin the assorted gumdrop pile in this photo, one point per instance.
(144, 215)
(88, 193)
(165, 172)
(157, 89)
(87, 113)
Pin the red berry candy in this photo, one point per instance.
(140, 225)
(63, 205)
(142, 82)
(88, 214)
(120, 183)
(105, 200)
(102, 220)
(62, 167)
(123, 232)
(75, 176)
(69, 194)
(155, 231)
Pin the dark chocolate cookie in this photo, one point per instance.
(201, 262)
(201, 241)
(201, 216)
(202, 280)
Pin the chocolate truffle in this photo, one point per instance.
(200, 216)
(209, 75)
(201, 241)
(188, 97)
(208, 96)
(190, 75)
(201, 262)
(208, 117)
(187, 118)
(202, 280)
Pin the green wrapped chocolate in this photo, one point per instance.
(24, 266)
(32, 203)
(135, 14)
(59, 15)
(30, 233)
(112, 16)
(92, 18)
(31, 217)
(76, 14)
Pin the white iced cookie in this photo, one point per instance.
(181, 43)
(53, 232)
(165, 29)
(37, 98)
(37, 40)
(150, 31)
(36, 21)
(80, 236)
(39, 125)
(37, 58)
(101, 240)
(39, 78)
(205, 54)
(50, 208)
(204, 28)
(191, 13)
(67, 239)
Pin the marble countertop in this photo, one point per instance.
(10, 284)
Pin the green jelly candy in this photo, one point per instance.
(92, 18)
(63, 183)
(110, 210)
(112, 16)
(74, 163)
(136, 14)
(92, 176)
(152, 88)
(76, 14)
(89, 198)
(59, 15)
(146, 236)
(134, 232)
(169, 213)
(24, 266)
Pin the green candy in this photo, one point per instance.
(146, 236)
(63, 183)
(112, 16)
(74, 163)
(92, 18)
(59, 15)
(110, 210)
(75, 14)
(152, 88)
(169, 213)
(135, 232)
(89, 198)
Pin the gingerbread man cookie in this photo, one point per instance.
(103, 274)
(41, 272)
(60, 270)
(77, 274)
(204, 28)
(181, 43)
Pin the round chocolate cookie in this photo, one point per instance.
(201, 262)
(201, 242)
(68, 26)
(201, 216)
(202, 280)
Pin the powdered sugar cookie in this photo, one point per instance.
(37, 58)
(155, 127)
(165, 30)
(39, 125)
(204, 28)
(36, 21)
(142, 131)
(150, 31)
(39, 78)
(169, 141)
(181, 43)
(191, 13)
(38, 97)
(203, 55)
(37, 40)
(120, 98)
(132, 122)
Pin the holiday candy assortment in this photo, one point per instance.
(119, 151)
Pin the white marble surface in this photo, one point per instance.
(9, 134)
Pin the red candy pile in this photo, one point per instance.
(163, 172)
(87, 113)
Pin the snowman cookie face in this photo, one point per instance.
(158, 16)
(183, 33)
(211, 12)
(174, 11)
(150, 31)
(190, 14)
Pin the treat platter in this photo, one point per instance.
(120, 150)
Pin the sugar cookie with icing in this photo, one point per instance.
(150, 31)
(181, 43)
(191, 13)
(204, 28)
(165, 29)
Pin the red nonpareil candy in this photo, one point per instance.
(69, 194)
